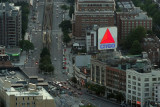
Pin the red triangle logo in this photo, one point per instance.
(107, 38)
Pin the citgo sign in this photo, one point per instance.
(107, 38)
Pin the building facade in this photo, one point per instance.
(90, 12)
(91, 40)
(128, 24)
(2, 50)
(10, 24)
(113, 78)
(140, 86)
(31, 97)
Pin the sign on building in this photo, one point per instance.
(107, 38)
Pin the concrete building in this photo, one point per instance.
(157, 92)
(91, 12)
(151, 45)
(109, 70)
(10, 24)
(26, 97)
(2, 50)
(81, 68)
(140, 82)
(91, 40)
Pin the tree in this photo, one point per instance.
(66, 38)
(71, 11)
(74, 80)
(137, 34)
(71, 1)
(64, 7)
(26, 45)
(45, 52)
(66, 26)
(136, 48)
(119, 96)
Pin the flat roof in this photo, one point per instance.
(41, 92)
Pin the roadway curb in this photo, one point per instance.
(102, 98)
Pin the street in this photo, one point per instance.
(57, 56)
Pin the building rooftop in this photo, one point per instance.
(134, 10)
(12, 76)
(9, 8)
(140, 16)
(23, 92)
(126, 5)
(13, 51)
(82, 60)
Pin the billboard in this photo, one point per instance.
(107, 38)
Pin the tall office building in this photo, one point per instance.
(91, 12)
(10, 24)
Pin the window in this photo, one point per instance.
(129, 76)
(154, 79)
(134, 83)
(146, 84)
(147, 89)
(134, 77)
(139, 84)
(134, 92)
(139, 94)
(23, 98)
(139, 89)
(129, 81)
(129, 91)
(146, 79)
(146, 94)
(139, 79)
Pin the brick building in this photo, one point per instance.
(127, 21)
(128, 24)
(91, 12)
(111, 72)
(10, 24)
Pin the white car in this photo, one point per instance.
(55, 59)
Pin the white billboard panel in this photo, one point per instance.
(107, 38)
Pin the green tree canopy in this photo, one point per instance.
(26, 45)
(45, 61)
(45, 52)
(66, 38)
(137, 34)
(64, 7)
(71, 1)
(71, 11)
(136, 48)
(66, 26)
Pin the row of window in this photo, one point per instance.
(146, 79)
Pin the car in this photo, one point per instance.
(57, 16)
(55, 59)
